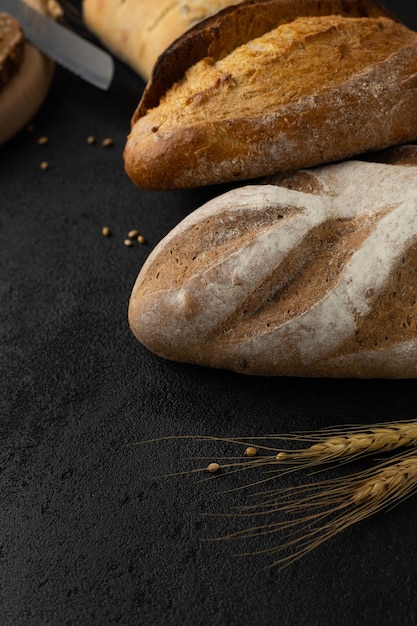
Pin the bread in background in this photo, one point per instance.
(138, 31)
(25, 89)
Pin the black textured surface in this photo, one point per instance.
(89, 533)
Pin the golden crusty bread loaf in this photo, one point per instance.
(331, 80)
(313, 274)
(137, 31)
(25, 76)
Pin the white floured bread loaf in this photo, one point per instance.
(25, 75)
(273, 85)
(137, 31)
(314, 275)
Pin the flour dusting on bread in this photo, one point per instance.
(314, 89)
(302, 279)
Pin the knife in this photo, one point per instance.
(62, 45)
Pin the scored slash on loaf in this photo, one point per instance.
(273, 85)
(313, 274)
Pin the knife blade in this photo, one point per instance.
(62, 45)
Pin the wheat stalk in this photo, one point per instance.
(316, 512)
(332, 445)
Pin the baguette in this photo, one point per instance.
(25, 75)
(236, 98)
(138, 31)
(313, 274)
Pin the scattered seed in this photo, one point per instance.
(213, 467)
(107, 142)
(44, 165)
(43, 140)
(251, 451)
(133, 234)
(281, 456)
(91, 140)
(128, 243)
(106, 231)
(140, 239)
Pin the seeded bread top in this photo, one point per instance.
(11, 47)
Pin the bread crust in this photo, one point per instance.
(220, 34)
(26, 89)
(312, 274)
(11, 47)
(138, 31)
(200, 133)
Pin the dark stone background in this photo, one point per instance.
(89, 532)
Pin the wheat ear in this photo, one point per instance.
(332, 445)
(353, 442)
(318, 511)
(390, 483)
